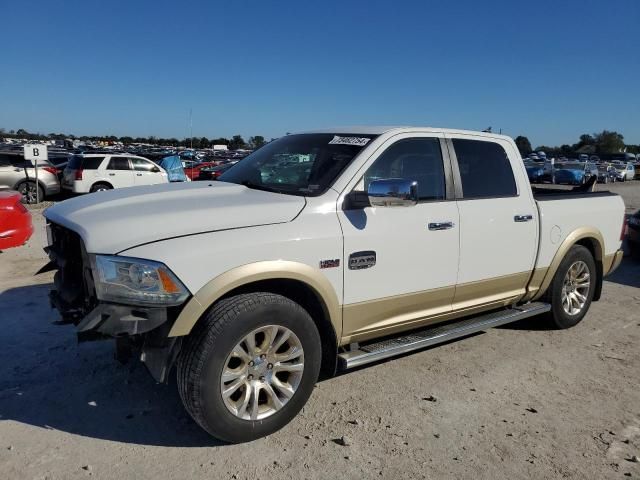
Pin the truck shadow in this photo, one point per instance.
(49, 381)
(628, 273)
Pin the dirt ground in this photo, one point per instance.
(518, 402)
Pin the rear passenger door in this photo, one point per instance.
(119, 172)
(498, 221)
(7, 172)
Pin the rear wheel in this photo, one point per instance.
(28, 191)
(572, 287)
(249, 366)
(101, 187)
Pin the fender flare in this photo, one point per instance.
(582, 233)
(216, 288)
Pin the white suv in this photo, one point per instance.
(98, 172)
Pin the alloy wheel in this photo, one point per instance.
(575, 288)
(262, 372)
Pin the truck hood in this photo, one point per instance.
(116, 220)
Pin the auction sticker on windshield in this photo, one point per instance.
(357, 141)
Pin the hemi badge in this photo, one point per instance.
(330, 263)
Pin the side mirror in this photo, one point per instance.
(155, 170)
(393, 192)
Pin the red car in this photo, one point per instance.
(193, 170)
(15, 220)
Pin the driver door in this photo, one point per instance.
(401, 263)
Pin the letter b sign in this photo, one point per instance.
(36, 152)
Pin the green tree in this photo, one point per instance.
(523, 144)
(204, 142)
(256, 142)
(237, 142)
(220, 141)
(609, 142)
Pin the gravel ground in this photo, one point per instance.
(517, 402)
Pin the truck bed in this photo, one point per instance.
(562, 212)
(542, 194)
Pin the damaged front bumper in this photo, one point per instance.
(141, 328)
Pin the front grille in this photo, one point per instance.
(74, 293)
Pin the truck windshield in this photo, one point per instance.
(304, 164)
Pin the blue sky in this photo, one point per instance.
(550, 70)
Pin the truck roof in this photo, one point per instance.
(379, 130)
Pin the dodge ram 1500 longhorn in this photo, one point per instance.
(325, 250)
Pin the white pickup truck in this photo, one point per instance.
(325, 250)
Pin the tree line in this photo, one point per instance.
(233, 143)
(597, 143)
(604, 142)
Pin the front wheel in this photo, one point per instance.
(572, 287)
(249, 366)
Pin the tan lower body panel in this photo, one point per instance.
(386, 316)
(611, 262)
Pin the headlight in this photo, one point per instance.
(136, 281)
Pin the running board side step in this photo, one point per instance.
(438, 334)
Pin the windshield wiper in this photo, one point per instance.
(256, 186)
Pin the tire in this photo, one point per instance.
(206, 354)
(100, 187)
(28, 191)
(560, 316)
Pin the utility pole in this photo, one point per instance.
(191, 127)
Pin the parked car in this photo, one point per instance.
(607, 173)
(536, 172)
(99, 172)
(192, 169)
(15, 220)
(18, 174)
(574, 173)
(214, 172)
(633, 234)
(314, 273)
(625, 171)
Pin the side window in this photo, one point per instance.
(418, 159)
(141, 165)
(485, 169)
(118, 163)
(5, 160)
(92, 163)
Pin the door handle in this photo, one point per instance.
(522, 218)
(441, 225)
(138, 174)
(112, 174)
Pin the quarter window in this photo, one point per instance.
(485, 170)
(92, 163)
(418, 159)
(118, 163)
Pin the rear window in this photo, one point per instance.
(92, 163)
(485, 169)
(77, 162)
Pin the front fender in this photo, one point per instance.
(255, 272)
